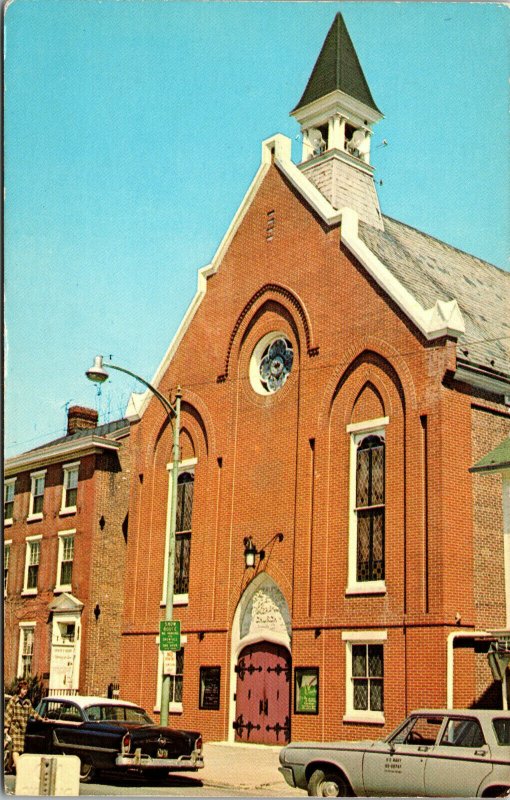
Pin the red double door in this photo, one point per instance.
(263, 694)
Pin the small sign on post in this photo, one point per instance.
(170, 635)
(169, 662)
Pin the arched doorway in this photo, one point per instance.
(263, 694)
(261, 665)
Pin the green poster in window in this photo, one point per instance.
(306, 690)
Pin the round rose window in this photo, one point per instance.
(271, 363)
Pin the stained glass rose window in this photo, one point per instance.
(276, 364)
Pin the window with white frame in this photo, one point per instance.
(367, 506)
(70, 487)
(176, 680)
(364, 675)
(9, 486)
(367, 677)
(174, 667)
(7, 558)
(65, 560)
(32, 559)
(37, 494)
(26, 649)
(184, 513)
(185, 486)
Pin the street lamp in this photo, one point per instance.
(98, 374)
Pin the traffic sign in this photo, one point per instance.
(170, 634)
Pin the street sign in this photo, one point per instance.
(169, 662)
(170, 634)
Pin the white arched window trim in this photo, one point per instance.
(357, 432)
(184, 466)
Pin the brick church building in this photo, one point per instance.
(341, 372)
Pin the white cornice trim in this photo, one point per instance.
(336, 102)
(314, 197)
(275, 146)
(56, 452)
(444, 318)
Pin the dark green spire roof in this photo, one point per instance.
(337, 67)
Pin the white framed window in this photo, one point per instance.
(26, 649)
(70, 488)
(7, 558)
(364, 676)
(185, 493)
(9, 490)
(32, 559)
(367, 510)
(37, 494)
(65, 560)
(175, 667)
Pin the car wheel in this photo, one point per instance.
(328, 783)
(87, 771)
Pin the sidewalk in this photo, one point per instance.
(244, 766)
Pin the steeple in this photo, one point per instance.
(337, 68)
(336, 113)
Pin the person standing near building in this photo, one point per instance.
(19, 709)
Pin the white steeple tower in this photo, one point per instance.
(336, 114)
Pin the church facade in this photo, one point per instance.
(338, 381)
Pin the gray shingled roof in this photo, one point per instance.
(432, 270)
(497, 459)
(101, 430)
(337, 67)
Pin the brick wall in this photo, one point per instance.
(489, 429)
(26, 608)
(280, 463)
(109, 534)
(103, 489)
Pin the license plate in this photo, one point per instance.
(162, 753)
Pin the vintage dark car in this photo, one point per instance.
(444, 753)
(111, 735)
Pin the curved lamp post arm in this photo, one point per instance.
(98, 374)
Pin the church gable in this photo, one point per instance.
(285, 231)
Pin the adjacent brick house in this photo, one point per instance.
(341, 372)
(65, 534)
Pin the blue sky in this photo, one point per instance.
(133, 129)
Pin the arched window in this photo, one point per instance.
(369, 508)
(185, 486)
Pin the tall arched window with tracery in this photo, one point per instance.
(185, 487)
(367, 506)
(370, 508)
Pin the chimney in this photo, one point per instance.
(79, 418)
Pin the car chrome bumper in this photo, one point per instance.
(288, 775)
(138, 761)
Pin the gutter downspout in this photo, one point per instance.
(449, 659)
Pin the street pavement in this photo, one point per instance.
(231, 770)
(251, 767)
